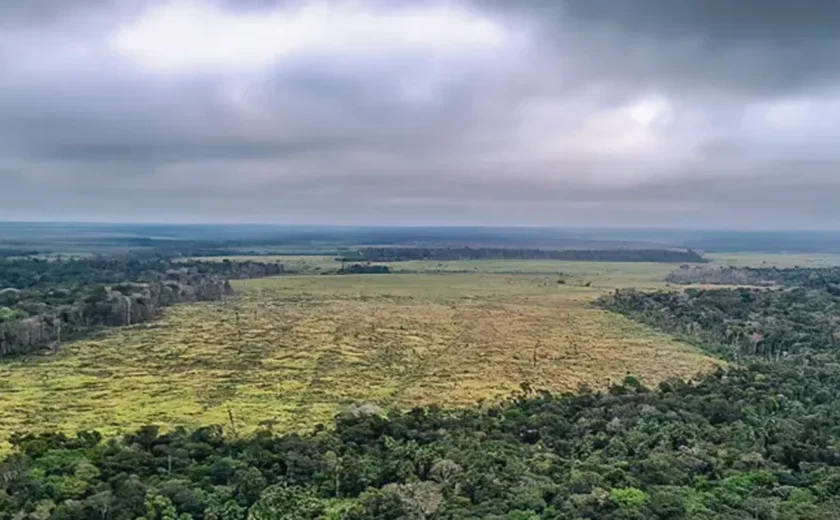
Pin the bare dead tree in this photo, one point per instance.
(534, 354)
(232, 423)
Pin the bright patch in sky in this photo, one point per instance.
(650, 110)
(185, 36)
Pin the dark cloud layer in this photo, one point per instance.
(595, 112)
(756, 47)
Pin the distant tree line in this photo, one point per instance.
(46, 302)
(443, 254)
(34, 319)
(822, 277)
(7, 253)
(239, 270)
(33, 273)
(743, 322)
(365, 268)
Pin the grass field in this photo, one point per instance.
(600, 274)
(775, 259)
(292, 350)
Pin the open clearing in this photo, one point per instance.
(600, 274)
(291, 350)
(775, 259)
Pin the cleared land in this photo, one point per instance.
(600, 274)
(290, 351)
(775, 259)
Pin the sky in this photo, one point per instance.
(574, 113)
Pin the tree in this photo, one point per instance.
(281, 502)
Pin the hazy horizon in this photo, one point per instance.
(338, 225)
(646, 114)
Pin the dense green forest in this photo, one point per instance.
(759, 440)
(443, 254)
(777, 323)
(45, 302)
(34, 273)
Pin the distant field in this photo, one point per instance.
(775, 259)
(292, 350)
(600, 274)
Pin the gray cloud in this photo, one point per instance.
(706, 114)
(751, 46)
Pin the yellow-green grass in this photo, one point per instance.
(293, 350)
(600, 274)
(775, 259)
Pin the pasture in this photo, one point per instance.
(780, 260)
(599, 274)
(289, 352)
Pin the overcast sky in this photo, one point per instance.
(712, 113)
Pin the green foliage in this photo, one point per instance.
(283, 502)
(7, 314)
(762, 323)
(230, 510)
(628, 498)
(161, 508)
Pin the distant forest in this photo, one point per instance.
(827, 277)
(45, 302)
(363, 269)
(403, 254)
